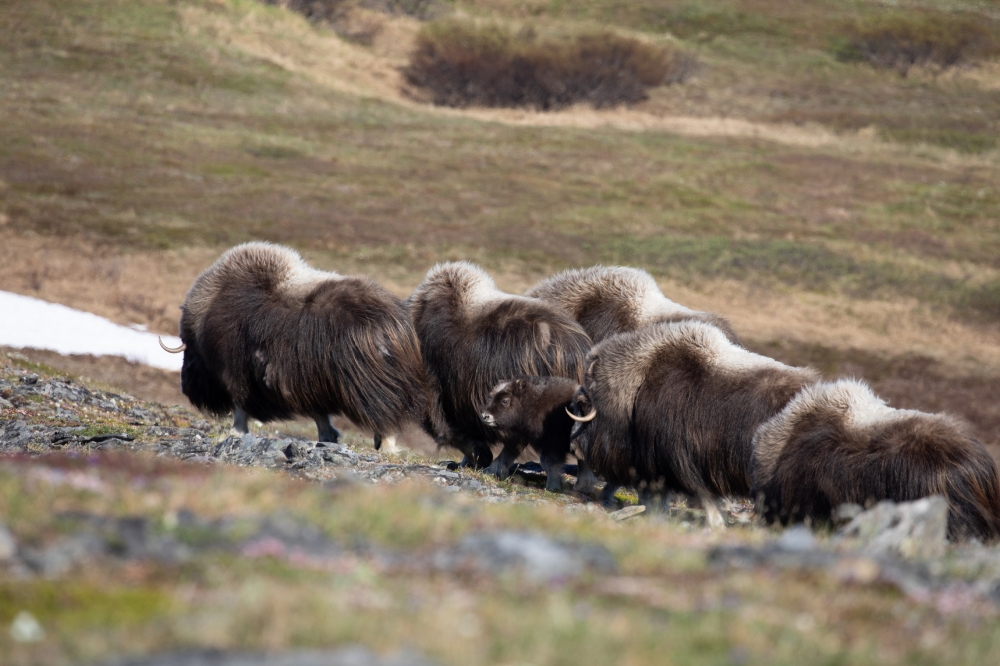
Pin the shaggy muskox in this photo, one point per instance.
(837, 442)
(676, 409)
(607, 300)
(267, 336)
(473, 336)
(534, 411)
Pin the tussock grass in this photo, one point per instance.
(465, 64)
(902, 40)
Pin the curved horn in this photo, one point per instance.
(176, 350)
(583, 419)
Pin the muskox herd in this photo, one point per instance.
(596, 363)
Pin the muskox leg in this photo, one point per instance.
(477, 454)
(327, 433)
(713, 515)
(241, 420)
(553, 468)
(608, 493)
(586, 480)
(390, 443)
(500, 467)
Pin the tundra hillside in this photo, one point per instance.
(830, 191)
(836, 212)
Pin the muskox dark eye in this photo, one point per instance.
(505, 402)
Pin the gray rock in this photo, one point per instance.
(349, 656)
(798, 538)
(908, 529)
(537, 556)
(845, 513)
(8, 545)
(58, 559)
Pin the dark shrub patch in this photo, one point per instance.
(901, 41)
(332, 11)
(465, 65)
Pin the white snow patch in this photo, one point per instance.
(30, 322)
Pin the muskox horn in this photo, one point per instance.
(176, 350)
(583, 419)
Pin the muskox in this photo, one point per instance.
(473, 336)
(267, 336)
(837, 442)
(534, 411)
(676, 409)
(607, 300)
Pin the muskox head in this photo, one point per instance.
(505, 408)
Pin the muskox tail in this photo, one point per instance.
(201, 386)
(973, 491)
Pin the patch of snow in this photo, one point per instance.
(30, 322)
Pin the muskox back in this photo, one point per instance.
(607, 300)
(837, 442)
(268, 334)
(677, 405)
(473, 336)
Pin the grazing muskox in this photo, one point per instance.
(534, 411)
(265, 335)
(837, 442)
(608, 300)
(473, 336)
(676, 409)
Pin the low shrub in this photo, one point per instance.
(462, 64)
(345, 19)
(331, 11)
(900, 41)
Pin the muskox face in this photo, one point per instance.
(506, 404)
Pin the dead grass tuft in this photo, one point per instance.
(463, 64)
(900, 41)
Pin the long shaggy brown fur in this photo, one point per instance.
(473, 336)
(267, 334)
(837, 442)
(607, 300)
(677, 405)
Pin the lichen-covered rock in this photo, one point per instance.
(916, 529)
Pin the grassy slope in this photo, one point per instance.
(126, 126)
(664, 605)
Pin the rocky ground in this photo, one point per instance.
(100, 491)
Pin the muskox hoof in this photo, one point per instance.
(390, 443)
(553, 483)
(608, 494)
(499, 469)
(478, 462)
(586, 480)
(325, 432)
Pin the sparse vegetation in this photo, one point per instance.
(902, 40)
(465, 64)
